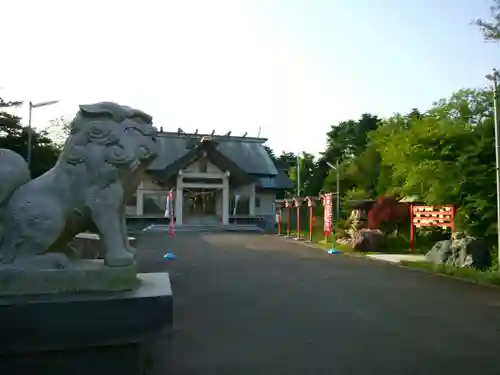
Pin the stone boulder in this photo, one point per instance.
(368, 240)
(462, 252)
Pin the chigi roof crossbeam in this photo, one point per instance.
(181, 133)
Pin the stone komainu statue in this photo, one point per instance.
(101, 165)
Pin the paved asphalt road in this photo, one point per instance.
(255, 304)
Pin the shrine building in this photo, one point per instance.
(213, 178)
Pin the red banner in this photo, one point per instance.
(327, 212)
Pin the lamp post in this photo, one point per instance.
(494, 78)
(298, 174)
(30, 135)
(336, 167)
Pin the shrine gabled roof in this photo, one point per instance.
(209, 148)
(248, 153)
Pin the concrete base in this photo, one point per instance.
(98, 333)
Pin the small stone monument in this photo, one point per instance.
(58, 300)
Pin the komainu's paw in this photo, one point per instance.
(120, 258)
(132, 250)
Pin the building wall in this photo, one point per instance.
(150, 199)
(265, 203)
(148, 184)
(197, 165)
(243, 207)
(154, 197)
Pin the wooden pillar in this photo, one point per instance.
(252, 200)
(225, 200)
(140, 200)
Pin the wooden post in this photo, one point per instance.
(298, 220)
(279, 221)
(311, 213)
(412, 229)
(171, 207)
(452, 227)
(289, 215)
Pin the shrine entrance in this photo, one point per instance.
(201, 206)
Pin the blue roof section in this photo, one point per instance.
(278, 182)
(248, 153)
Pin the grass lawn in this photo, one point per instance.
(471, 274)
(401, 245)
(394, 245)
(318, 238)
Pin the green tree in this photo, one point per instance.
(287, 160)
(14, 136)
(446, 157)
(491, 28)
(348, 143)
(307, 167)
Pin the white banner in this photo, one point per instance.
(167, 207)
(236, 199)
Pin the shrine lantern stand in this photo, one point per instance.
(310, 206)
(279, 204)
(297, 203)
(288, 203)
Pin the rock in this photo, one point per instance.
(462, 251)
(358, 220)
(439, 253)
(368, 240)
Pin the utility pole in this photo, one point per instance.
(494, 78)
(338, 189)
(30, 132)
(298, 174)
(336, 167)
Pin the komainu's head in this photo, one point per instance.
(108, 133)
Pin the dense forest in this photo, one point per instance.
(444, 155)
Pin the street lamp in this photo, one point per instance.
(494, 78)
(34, 105)
(336, 167)
(298, 174)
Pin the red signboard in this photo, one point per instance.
(430, 216)
(327, 213)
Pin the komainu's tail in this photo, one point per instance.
(14, 172)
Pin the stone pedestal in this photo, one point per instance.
(88, 333)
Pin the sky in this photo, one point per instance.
(289, 69)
